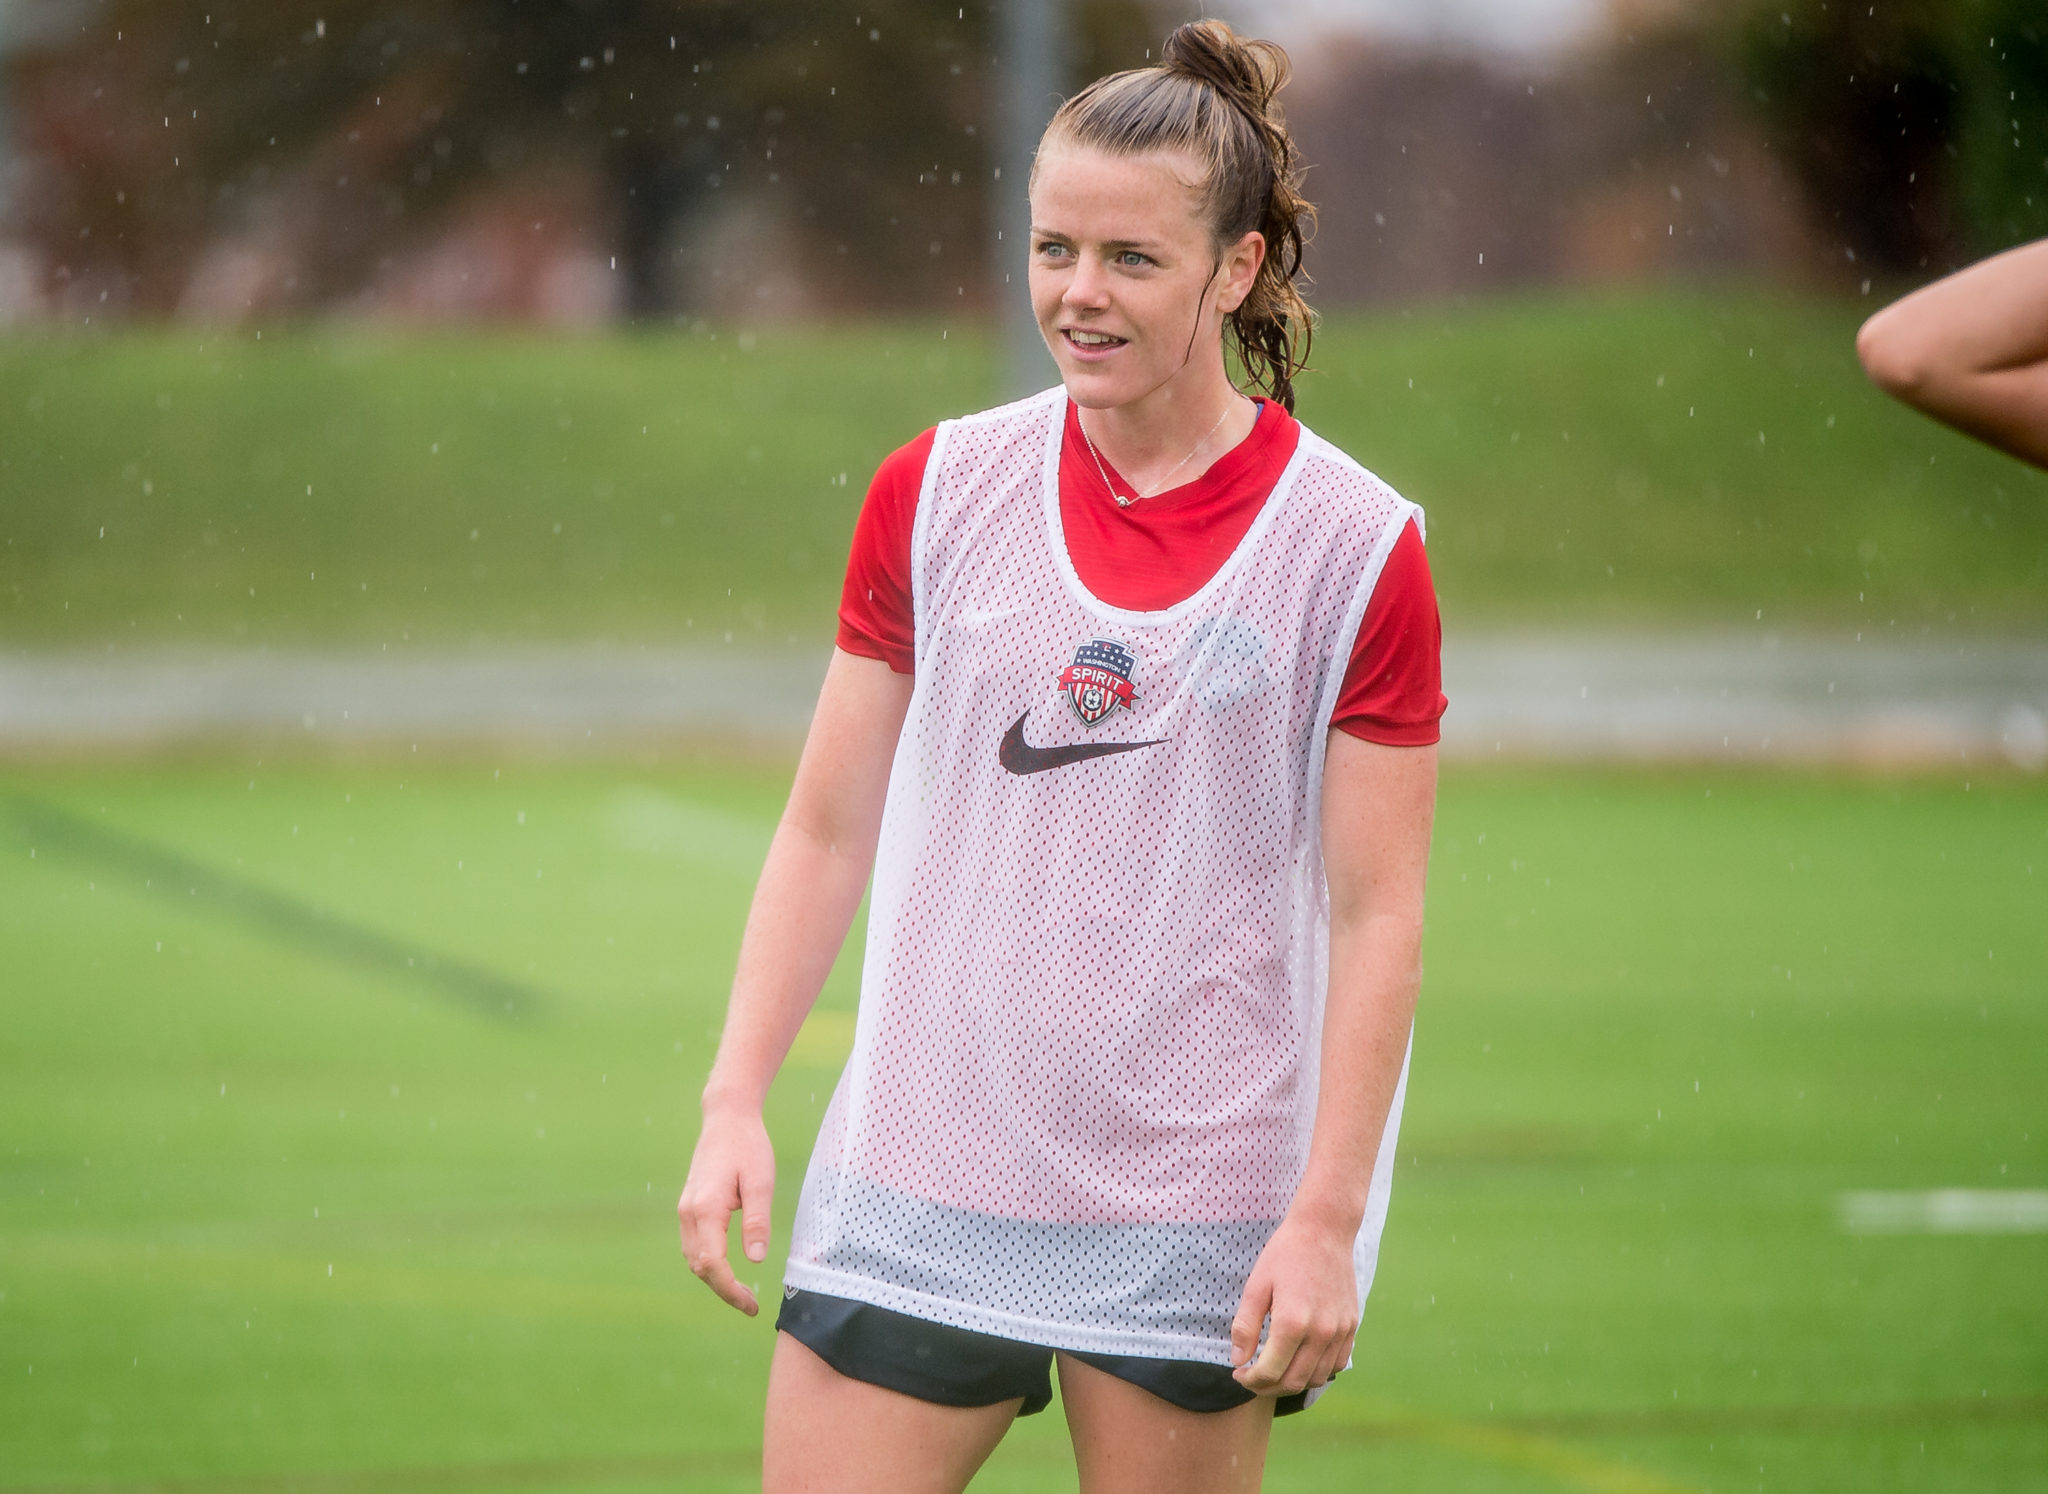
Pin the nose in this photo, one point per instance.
(1088, 286)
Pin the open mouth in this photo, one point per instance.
(1090, 342)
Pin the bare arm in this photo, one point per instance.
(811, 883)
(1972, 351)
(1378, 807)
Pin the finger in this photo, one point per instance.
(1340, 1356)
(711, 1267)
(686, 1225)
(1312, 1360)
(699, 1223)
(1326, 1366)
(718, 1276)
(1264, 1374)
(1251, 1317)
(1317, 1370)
(702, 1228)
(757, 1195)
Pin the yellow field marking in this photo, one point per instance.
(1572, 1467)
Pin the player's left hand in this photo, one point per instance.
(1305, 1284)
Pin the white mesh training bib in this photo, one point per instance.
(1084, 1071)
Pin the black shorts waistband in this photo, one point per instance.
(949, 1366)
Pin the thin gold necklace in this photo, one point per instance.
(1159, 486)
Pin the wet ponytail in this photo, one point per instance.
(1213, 95)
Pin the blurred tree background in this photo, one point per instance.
(547, 156)
(1918, 127)
(586, 160)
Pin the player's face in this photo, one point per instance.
(1126, 280)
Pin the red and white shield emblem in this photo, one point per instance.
(1099, 680)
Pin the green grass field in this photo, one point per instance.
(344, 1108)
(1681, 456)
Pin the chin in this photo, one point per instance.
(1096, 389)
(1090, 395)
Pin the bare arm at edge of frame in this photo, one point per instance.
(1972, 351)
(811, 883)
(1379, 804)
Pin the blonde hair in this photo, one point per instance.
(1212, 95)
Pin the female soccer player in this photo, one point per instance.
(1133, 718)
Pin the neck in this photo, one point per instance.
(1148, 438)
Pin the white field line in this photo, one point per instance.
(1946, 1211)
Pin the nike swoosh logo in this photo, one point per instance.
(1019, 756)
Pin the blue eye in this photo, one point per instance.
(1131, 259)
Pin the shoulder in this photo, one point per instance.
(904, 467)
(1019, 419)
(1335, 477)
(1032, 407)
(1333, 461)
(975, 459)
(889, 511)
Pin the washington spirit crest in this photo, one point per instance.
(1098, 681)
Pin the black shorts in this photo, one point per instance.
(957, 1367)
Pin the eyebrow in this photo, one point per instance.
(1115, 246)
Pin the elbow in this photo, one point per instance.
(1394, 932)
(1890, 358)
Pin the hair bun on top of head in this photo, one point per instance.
(1249, 72)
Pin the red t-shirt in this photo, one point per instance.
(1158, 552)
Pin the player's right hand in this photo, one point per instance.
(732, 1169)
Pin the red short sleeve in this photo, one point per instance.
(876, 619)
(1393, 689)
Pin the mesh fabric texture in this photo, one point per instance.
(1084, 1069)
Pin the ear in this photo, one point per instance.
(1239, 270)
